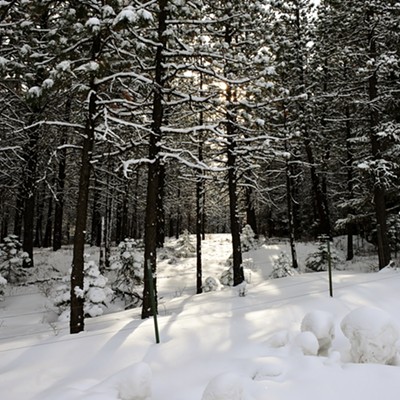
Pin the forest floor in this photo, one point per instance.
(215, 346)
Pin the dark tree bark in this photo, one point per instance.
(350, 228)
(77, 323)
(160, 208)
(231, 133)
(49, 224)
(19, 205)
(95, 237)
(62, 164)
(199, 217)
(290, 210)
(38, 241)
(29, 188)
(250, 210)
(152, 200)
(376, 147)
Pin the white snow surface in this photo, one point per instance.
(214, 346)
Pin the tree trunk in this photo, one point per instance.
(95, 237)
(59, 208)
(349, 163)
(160, 208)
(199, 217)
(49, 225)
(250, 210)
(152, 200)
(376, 147)
(31, 157)
(289, 197)
(77, 323)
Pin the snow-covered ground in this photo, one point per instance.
(214, 346)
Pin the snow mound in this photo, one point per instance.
(227, 386)
(307, 342)
(132, 383)
(321, 324)
(372, 334)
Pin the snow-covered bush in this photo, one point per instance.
(95, 292)
(282, 267)
(211, 284)
(321, 324)
(372, 334)
(185, 247)
(248, 238)
(3, 283)
(319, 260)
(129, 273)
(12, 259)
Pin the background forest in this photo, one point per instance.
(140, 119)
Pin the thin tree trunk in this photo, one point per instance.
(152, 200)
(49, 224)
(62, 164)
(160, 208)
(77, 323)
(376, 147)
(29, 193)
(349, 163)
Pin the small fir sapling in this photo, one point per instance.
(248, 239)
(185, 247)
(227, 277)
(12, 259)
(95, 292)
(319, 260)
(282, 267)
(129, 273)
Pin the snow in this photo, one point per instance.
(214, 346)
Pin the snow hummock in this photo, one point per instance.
(321, 324)
(373, 335)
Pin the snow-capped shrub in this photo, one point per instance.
(12, 259)
(282, 267)
(322, 325)
(248, 238)
(319, 260)
(3, 283)
(372, 334)
(129, 273)
(185, 247)
(95, 292)
(211, 284)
